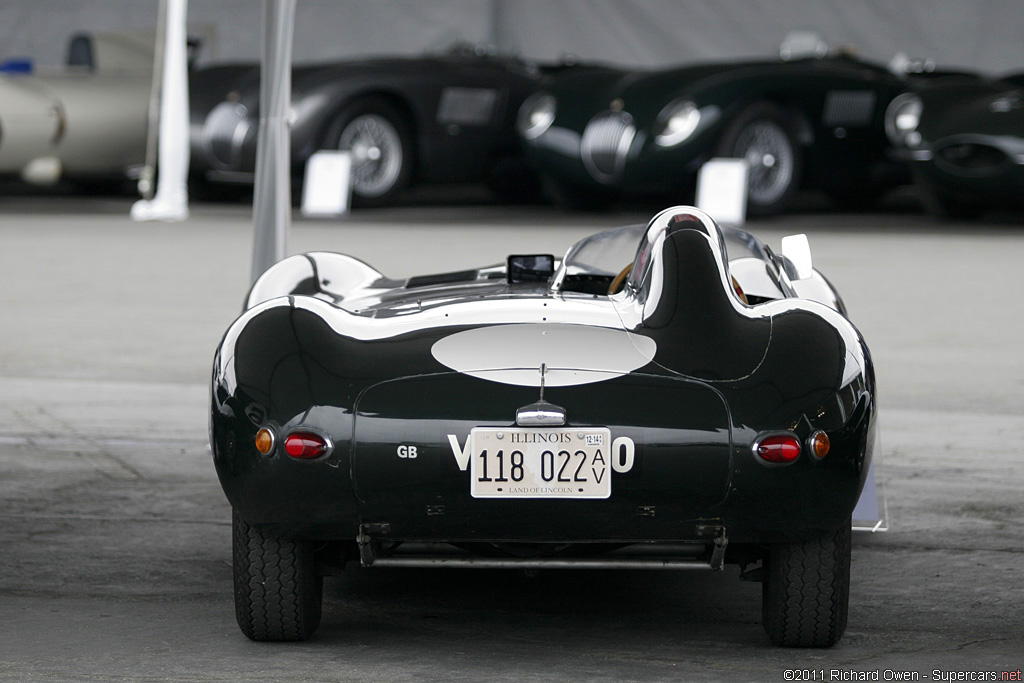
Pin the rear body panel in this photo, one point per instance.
(710, 376)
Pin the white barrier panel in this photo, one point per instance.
(722, 190)
(327, 188)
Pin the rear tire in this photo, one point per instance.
(805, 596)
(277, 592)
(763, 135)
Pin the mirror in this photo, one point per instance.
(530, 268)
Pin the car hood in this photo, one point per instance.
(240, 82)
(640, 92)
(612, 82)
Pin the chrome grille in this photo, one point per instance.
(466, 106)
(605, 143)
(224, 132)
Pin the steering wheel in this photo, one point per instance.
(616, 284)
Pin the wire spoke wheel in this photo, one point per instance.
(763, 135)
(769, 155)
(376, 148)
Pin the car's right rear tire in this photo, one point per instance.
(277, 592)
(805, 596)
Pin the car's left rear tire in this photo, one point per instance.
(278, 595)
(806, 591)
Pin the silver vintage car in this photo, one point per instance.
(86, 119)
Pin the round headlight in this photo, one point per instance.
(678, 120)
(536, 115)
(902, 118)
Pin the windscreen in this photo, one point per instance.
(605, 253)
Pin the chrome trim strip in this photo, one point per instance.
(532, 563)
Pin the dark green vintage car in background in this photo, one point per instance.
(964, 139)
(809, 119)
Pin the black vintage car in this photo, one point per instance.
(406, 120)
(810, 119)
(965, 141)
(674, 395)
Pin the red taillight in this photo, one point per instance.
(778, 448)
(305, 445)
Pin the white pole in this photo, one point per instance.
(147, 178)
(272, 192)
(171, 200)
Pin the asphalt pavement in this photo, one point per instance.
(115, 537)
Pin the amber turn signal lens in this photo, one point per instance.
(264, 441)
(819, 444)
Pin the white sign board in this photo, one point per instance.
(722, 190)
(327, 187)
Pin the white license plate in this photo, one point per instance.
(540, 463)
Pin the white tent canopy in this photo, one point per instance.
(981, 34)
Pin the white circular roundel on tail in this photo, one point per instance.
(570, 354)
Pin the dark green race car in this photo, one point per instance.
(666, 396)
(965, 141)
(807, 120)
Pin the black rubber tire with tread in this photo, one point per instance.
(382, 107)
(755, 113)
(806, 591)
(277, 592)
